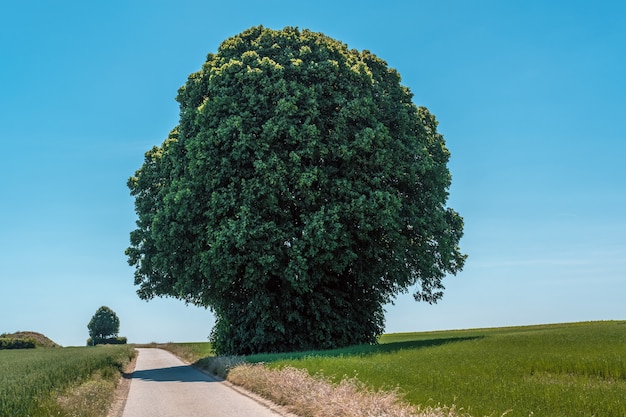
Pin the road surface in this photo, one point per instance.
(163, 386)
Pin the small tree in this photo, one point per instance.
(103, 325)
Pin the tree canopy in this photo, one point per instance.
(103, 325)
(300, 192)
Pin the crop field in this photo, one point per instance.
(32, 380)
(576, 369)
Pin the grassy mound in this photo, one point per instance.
(39, 339)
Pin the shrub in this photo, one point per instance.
(106, 341)
(39, 339)
(7, 343)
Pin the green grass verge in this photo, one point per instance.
(46, 381)
(576, 369)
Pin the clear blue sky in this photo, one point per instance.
(530, 96)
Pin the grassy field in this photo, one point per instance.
(576, 369)
(56, 381)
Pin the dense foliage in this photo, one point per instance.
(107, 341)
(9, 343)
(103, 326)
(300, 192)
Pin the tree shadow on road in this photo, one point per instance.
(182, 373)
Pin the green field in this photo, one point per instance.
(32, 379)
(576, 369)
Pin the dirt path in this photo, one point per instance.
(163, 386)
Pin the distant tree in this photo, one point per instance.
(103, 325)
(300, 192)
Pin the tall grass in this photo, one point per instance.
(552, 370)
(309, 396)
(48, 381)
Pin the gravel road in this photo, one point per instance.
(163, 386)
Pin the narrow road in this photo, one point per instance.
(163, 386)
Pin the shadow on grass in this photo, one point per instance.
(360, 350)
(418, 344)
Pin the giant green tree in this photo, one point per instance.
(301, 191)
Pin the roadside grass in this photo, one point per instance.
(576, 369)
(76, 382)
(571, 369)
(316, 396)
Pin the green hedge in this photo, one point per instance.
(106, 341)
(6, 343)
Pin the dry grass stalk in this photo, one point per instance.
(220, 365)
(90, 399)
(309, 396)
